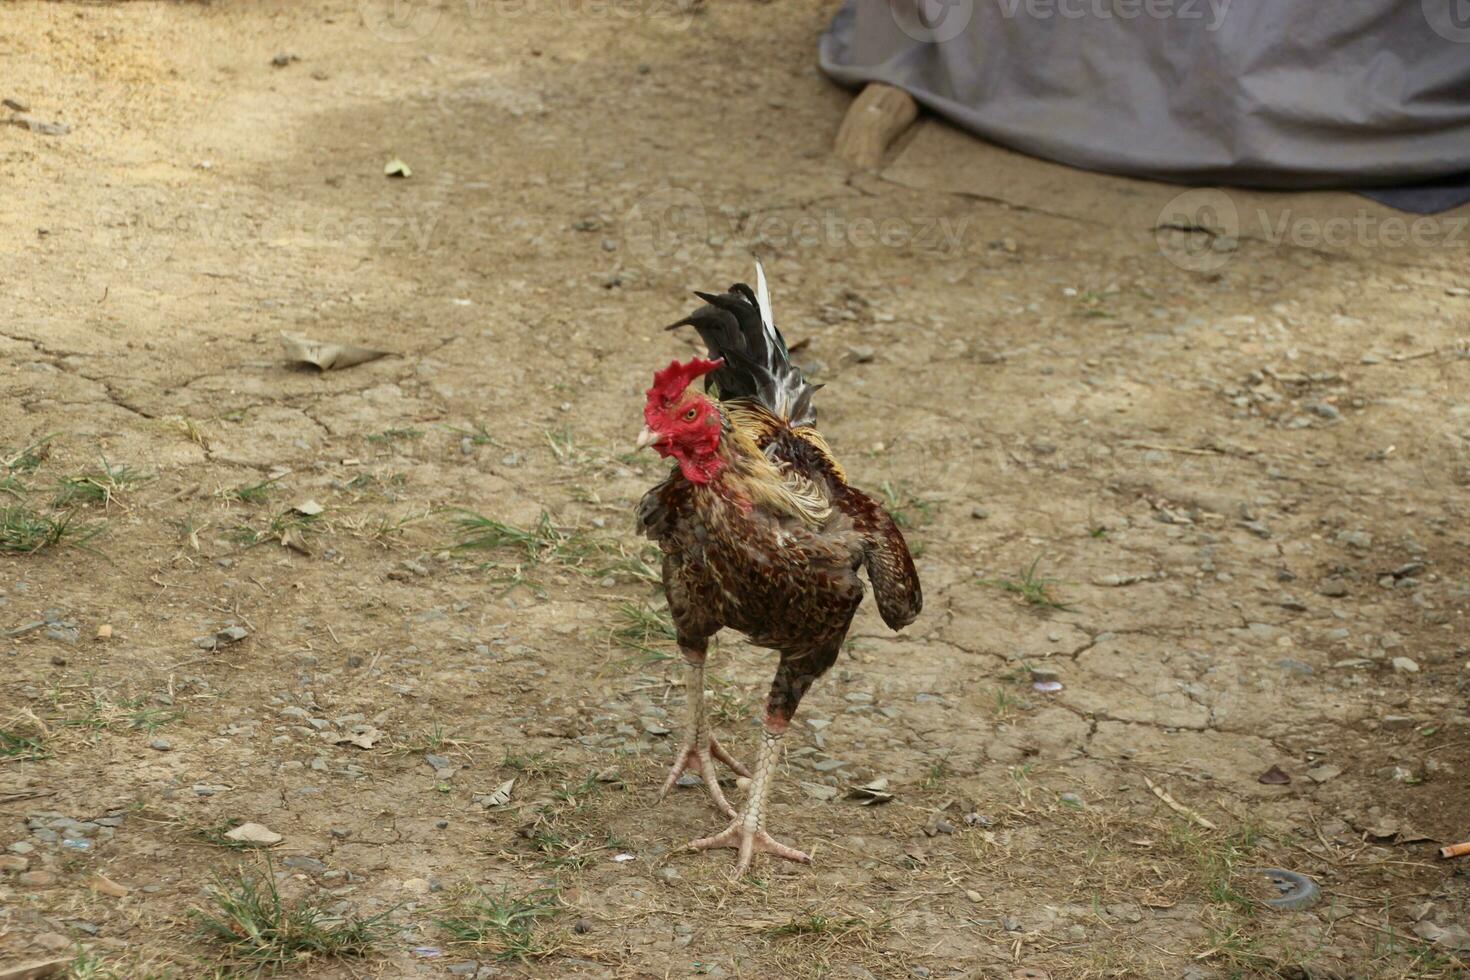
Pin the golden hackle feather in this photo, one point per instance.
(764, 481)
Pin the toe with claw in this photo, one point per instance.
(701, 758)
(748, 840)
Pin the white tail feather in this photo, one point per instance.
(763, 300)
(783, 393)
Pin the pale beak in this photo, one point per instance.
(647, 438)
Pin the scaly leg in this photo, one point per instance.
(747, 833)
(700, 749)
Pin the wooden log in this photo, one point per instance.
(874, 120)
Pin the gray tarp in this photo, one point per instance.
(1266, 93)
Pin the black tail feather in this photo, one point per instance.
(757, 363)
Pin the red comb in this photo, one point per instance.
(670, 383)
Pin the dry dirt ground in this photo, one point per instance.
(1214, 487)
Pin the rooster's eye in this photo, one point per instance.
(691, 415)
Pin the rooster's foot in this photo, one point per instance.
(702, 759)
(748, 841)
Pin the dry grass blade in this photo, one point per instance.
(1178, 807)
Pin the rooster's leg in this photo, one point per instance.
(700, 749)
(747, 833)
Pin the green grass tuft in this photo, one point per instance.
(25, 530)
(504, 924)
(14, 745)
(645, 630)
(249, 493)
(907, 510)
(816, 924)
(1033, 589)
(547, 543)
(257, 926)
(99, 486)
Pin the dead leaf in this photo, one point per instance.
(1450, 937)
(254, 833)
(1117, 581)
(1321, 774)
(303, 350)
(293, 538)
(1274, 777)
(365, 739)
(819, 791)
(37, 126)
(499, 796)
(308, 507)
(104, 885)
(874, 792)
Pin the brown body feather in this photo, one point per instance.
(772, 548)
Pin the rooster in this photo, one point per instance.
(761, 533)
